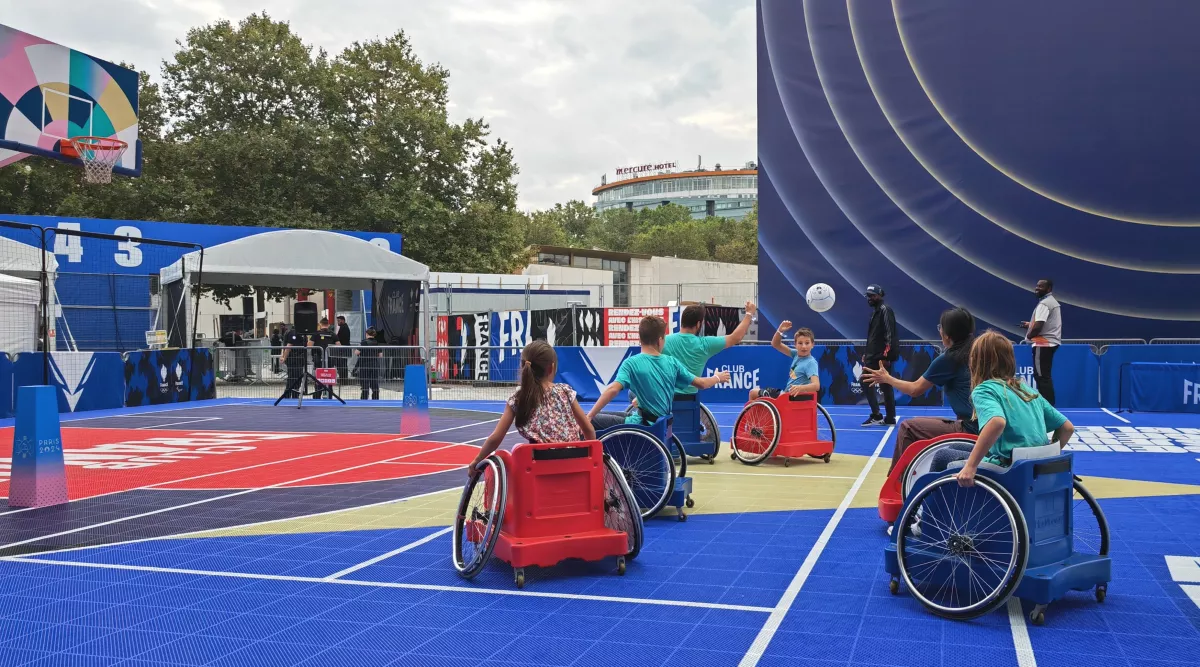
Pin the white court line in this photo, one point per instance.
(205, 534)
(755, 652)
(389, 584)
(1113, 414)
(383, 557)
(769, 474)
(1020, 633)
(189, 421)
(149, 412)
(208, 500)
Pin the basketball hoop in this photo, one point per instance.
(99, 155)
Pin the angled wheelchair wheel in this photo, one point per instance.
(480, 515)
(755, 433)
(826, 431)
(962, 551)
(679, 455)
(620, 507)
(923, 461)
(1088, 524)
(647, 465)
(712, 431)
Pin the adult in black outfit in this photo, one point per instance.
(883, 347)
(368, 365)
(320, 343)
(340, 354)
(295, 359)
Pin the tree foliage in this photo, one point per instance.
(669, 231)
(253, 127)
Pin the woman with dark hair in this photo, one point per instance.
(543, 410)
(951, 371)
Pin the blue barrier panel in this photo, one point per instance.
(84, 380)
(1114, 367)
(1076, 372)
(1164, 387)
(6, 386)
(414, 417)
(159, 377)
(590, 369)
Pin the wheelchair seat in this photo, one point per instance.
(1019, 454)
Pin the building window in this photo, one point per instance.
(593, 262)
(580, 262)
(550, 258)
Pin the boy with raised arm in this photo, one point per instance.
(803, 376)
(651, 376)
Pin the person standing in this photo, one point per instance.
(276, 349)
(295, 359)
(368, 366)
(320, 343)
(340, 354)
(1044, 330)
(882, 349)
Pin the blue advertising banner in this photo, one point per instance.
(85, 380)
(1164, 387)
(1076, 373)
(509, 334)
(590, 369)
(159, 377)
(1115, 362)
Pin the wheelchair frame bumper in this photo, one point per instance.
(1078, 572)
(549, 551)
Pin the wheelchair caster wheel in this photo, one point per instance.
(682, 516)
(712, 460)
(894, 587)
(1038, 615)
(690, 503)
(519, 578)
(827, 457)
(621, 565)
(787, 463)
(732, 456)
(1101, 592)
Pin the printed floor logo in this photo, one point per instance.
(1144, 439)
(1185, 571)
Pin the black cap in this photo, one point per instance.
(874, 289)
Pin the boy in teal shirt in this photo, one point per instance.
(651, 376)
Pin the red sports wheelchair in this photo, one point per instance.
(914, 462)
(542, 504)
(784, 427)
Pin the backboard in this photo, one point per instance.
(50, 93)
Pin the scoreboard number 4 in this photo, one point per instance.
(128, 254)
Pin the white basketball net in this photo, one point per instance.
(99, 155)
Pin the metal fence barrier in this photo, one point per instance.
(364, 372)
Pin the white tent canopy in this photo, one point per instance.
(24, 260)
(299, 258)
(19, 300)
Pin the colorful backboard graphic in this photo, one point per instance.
(50, 93)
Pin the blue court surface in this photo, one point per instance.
(332, 547)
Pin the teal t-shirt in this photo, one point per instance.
(802, 370)
(654, 380)
(1026, 422)
(693, 352)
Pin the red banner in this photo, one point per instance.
(326, 376)
(621, 324)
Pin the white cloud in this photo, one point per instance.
(576, 88)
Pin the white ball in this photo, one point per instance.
(820, 297)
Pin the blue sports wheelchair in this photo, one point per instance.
(695, 428)
(1030, 530)
(654, 464)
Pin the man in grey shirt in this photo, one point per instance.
(1045, 332)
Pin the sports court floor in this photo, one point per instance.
(234, 533)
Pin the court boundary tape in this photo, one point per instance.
(1020, 633)
(759, 646)
(1117, 416)
(391, 584)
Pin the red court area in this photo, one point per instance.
(100, 461)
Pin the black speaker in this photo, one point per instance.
(304, 316)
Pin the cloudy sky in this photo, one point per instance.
(578, 88)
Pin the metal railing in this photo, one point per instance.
(1175, 341)
(457, 299)
(364, 372)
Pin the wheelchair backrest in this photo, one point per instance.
(555, 489)
(797, 417)
(1042, 487)
(686, 412)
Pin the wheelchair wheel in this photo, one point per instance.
(922, 462)
(1088, 524)
(620, 510)
(828, 431)
(962, 550)
(480, 515)
(679, 455)
(647, 465)
(712, 432)
(755, 433)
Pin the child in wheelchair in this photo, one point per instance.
(652, 376)
(1009, 414)
(803, 376)
(543, 410)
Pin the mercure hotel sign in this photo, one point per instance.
(646, 168)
